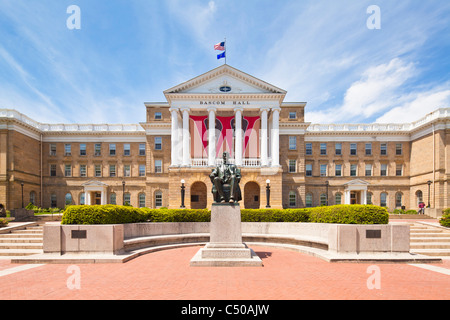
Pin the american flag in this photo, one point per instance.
(219, 46)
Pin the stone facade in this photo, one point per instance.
(144, 164)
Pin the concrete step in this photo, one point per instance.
(19, 252)
(28, 231)
(21, 240)
(430, 235)
(432, 252)
(430, 245)
(19, 245)
(21, 235)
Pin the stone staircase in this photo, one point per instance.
(429, 240)
(22, 242)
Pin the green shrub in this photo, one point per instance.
(113, 214)
(102, 214)
(350, 214)
(3, 222)
(445, 219)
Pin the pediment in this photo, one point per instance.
(225, 80)
(357, 182)
(94, 183)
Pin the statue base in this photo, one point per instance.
(226, 248)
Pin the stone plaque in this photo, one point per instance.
(373, 234)
(79, 234)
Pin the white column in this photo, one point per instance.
(347, 197)
(275, 137)
(238, 136)
(186, 149)
(212, 137)
(103, 200)
(87, 197)
(174, 137)
(264, 157)
(364, 196)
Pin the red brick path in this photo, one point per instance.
(286, 275)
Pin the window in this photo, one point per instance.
(158, 166)
(292, 143)
(292, 115)
(83, 170)
(292, 165)
(323, 170)
(383, 170)
(419, 196)
(308, 200)
(53, 202)
(292, 199)
(126, 170)
(323, 148)
(338, 149)
(383, 199)
(142, 170)
(141, 200)
(127, 198)
(398, 199)
(353, 170)
(338, 198)
(353, 149)
(112, 149)
(368, 170)
(68, 199)
(33, 197)
(112, 198)
(158, 143)
(308, 170)
(383, 149)
(67, 149)
(323, 199)
(112, 170)
(369, 198)
(158, 199)
(67, 170)
(368, 149)
(142, 149)
(98, 149)
(308, 149)
(398, 149)
(53, 170)
(82, 198)
(82, 149)
(53, 149)
(338, 170)
(158, 116)
(98, 170)
(399, 170)
(126, 149)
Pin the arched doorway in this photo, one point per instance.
(251, 195)
(198, 196)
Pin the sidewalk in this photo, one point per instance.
(286, 275)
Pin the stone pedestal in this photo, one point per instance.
(225, 248)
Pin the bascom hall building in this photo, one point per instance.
(181, 140)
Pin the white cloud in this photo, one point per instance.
(378, 89)
(417, 106)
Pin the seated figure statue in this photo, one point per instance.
(225, 179)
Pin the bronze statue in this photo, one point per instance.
(225, 179)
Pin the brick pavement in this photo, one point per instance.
(166, 275)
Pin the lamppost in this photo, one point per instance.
(429, 185)
(123, 192)
(183, 191)
(268, 193)
(22, 193)
(327, 183)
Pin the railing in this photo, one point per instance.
(246, 162)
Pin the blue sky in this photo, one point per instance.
(128, 52)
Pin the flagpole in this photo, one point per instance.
(225, 46)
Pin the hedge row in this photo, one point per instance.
(113, 214)
(445, 219)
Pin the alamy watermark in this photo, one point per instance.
(374, 280)
(374, 20)
(74, 280)
(74, 20)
